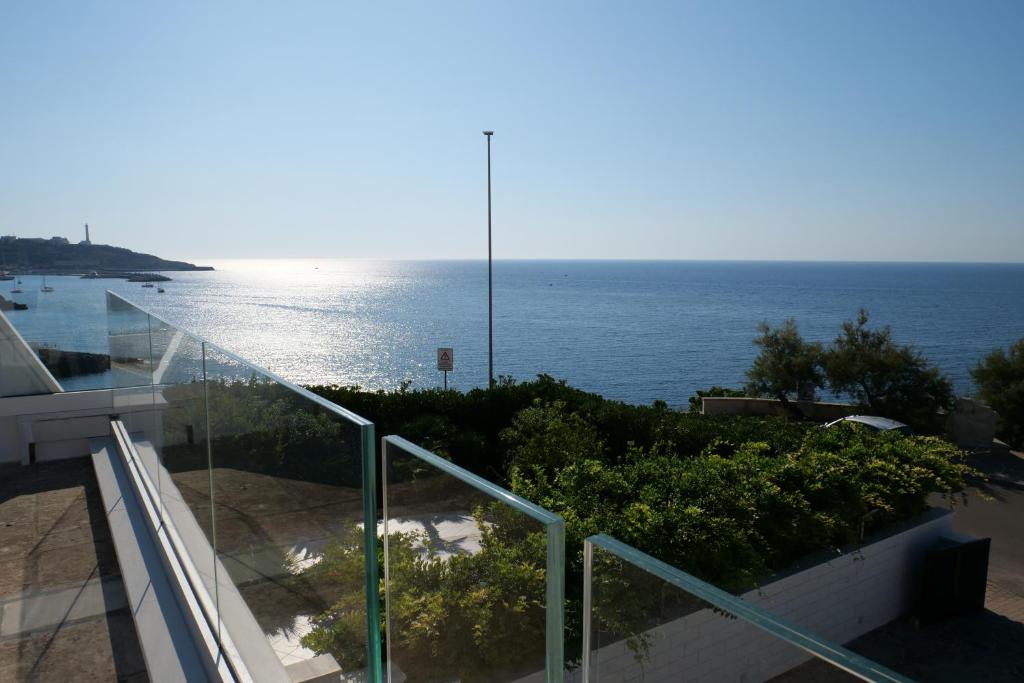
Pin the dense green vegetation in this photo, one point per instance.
(1000, 380)
(728, 499)
(469, 427)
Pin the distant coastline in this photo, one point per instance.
(58, 256)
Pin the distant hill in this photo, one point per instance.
(58, 256)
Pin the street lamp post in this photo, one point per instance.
(490, 285)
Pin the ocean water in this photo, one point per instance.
(634, 331)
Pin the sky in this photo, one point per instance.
(719, 130)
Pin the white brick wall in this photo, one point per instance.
(840, 599)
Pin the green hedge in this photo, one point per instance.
(728, 499)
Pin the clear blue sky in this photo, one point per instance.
(760, 130)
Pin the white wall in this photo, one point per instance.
(60, 425)
(840, 599)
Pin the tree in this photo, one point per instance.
(884, 378)
(787, 365)
(1000, 380)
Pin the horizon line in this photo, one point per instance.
(197, 261)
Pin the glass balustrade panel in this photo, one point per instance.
(288, 515)
(649, 622)
(131, 366)
(473, 575)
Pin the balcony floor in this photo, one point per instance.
(64, 613)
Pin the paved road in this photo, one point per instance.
(995, 508)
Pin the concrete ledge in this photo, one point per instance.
(168, 646)
(241, 639)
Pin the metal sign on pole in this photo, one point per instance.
(445, 362)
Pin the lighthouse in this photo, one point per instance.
(87, 240)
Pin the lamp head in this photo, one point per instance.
(488, 133)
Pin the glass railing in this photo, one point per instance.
(61, 320)
(267, 489)
(269, 495)
(22, 372)
(646, 620)
(474, 575)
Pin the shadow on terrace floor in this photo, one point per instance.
(64, 612)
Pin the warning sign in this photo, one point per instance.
(445, 359)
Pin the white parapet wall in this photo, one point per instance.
(819, 411)
(57, 426)
(840, 598)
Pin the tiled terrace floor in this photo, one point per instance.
(63, 613)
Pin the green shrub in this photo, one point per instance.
(1000, 380)
(729, 500)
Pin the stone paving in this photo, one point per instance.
(63, 615)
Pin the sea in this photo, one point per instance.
(636, 331)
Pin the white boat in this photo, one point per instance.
(45, 287)
(148, 285)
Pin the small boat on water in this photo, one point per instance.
(147, 285)
(160, 290)
(16, 290)
(45, 287)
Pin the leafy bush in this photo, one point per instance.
(729, 500)
(487, 608)
(341, 629)
(1000, 380)
(741, 509)
(545, 435)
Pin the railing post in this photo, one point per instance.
(373, 660)
(555, 618)
(588, 605)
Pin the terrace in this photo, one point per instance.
(206, 519)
